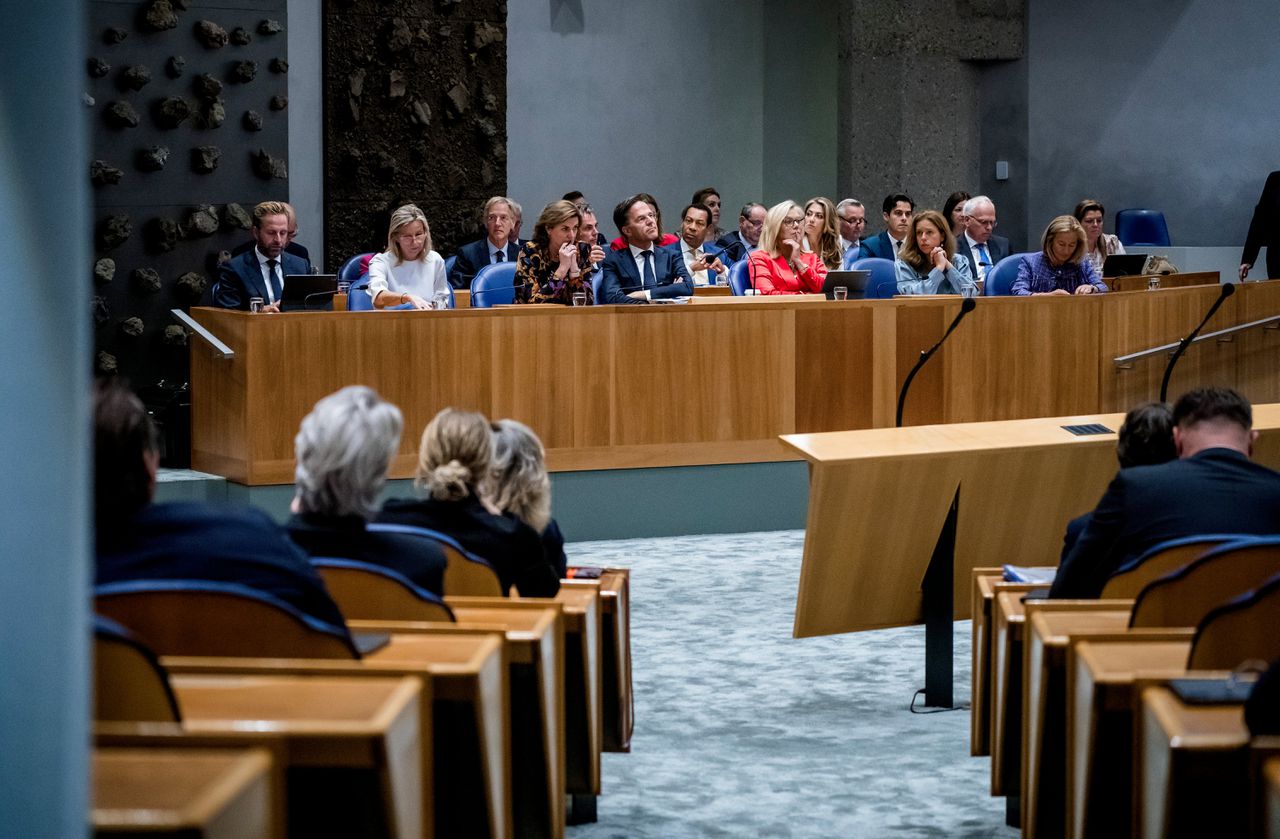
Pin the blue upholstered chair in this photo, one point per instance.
(465, 573)
(739, 279)
(1000, 278)
(884, 277)
(448, 265)
(494, 285)
(365, 591)
(1142, 228)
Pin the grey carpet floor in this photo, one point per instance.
(743, 731)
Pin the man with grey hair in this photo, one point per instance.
(738, 243)
(979, 244)
(499, 245)
(852, 217)
(343, 449)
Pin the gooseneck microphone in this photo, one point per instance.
(966, 306)
(1228, 289)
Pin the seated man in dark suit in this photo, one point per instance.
(591, 236)
(897, 210)
(1145, 439)
(343, 449)
(497, 246)
(1213, 487)
(186, 540)
(292, 247)
(641, 272)
(703, 267)
(260, 272)
(979, 244)
(738, 243)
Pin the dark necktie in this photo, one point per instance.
(649, 279)
(498, 257)
(275, 280)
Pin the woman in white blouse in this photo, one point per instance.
(408, 271)
(1097, 245)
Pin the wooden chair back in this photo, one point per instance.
(371, 592)
(1184, 597)
(129, 683)
(1239, 631)
(175, 617)
(1159, 561)
(465, 575)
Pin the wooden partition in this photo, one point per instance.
(609, 387)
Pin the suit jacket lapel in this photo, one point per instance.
(253, 275)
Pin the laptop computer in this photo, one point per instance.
(304, 292)
(855, 281)
(1124, 264)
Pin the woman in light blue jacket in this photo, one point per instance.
(928, 262)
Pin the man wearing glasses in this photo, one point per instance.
(746, 238)
(979, 244)
(852, 217)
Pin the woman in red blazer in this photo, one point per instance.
(781, 266)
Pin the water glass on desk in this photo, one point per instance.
(255, 305)
(840, 293)
(441, 301)
(579, 298)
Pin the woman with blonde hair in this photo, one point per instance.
(1097, 245)
(1060, 267)
(780, 265)
(408, 271)
(928, 262)
(821, 235)
(519, 485)
(552, 267)
(454, 461)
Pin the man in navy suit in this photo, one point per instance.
(979, 244)
(260, 272)
(897, 209)
(693, 235)
(1213, 487)
(497, 246)
(738, 243)
(641, 272)
(292, 247)
(186, 540)
(852, 218)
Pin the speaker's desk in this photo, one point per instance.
(617, 387)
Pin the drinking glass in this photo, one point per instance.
(255, 304)
(840, 292)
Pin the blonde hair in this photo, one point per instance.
(1064, 224)
(769, 234)
(518, 481)
(273, 208)
(910, 252)
(400, 219)
(828, 245)
(455, 454)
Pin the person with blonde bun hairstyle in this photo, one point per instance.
(454, 461)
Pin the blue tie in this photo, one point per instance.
(275, 280)
(983, 258)
(649, 279)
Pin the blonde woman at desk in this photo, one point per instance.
(928, 262)
(408, 271)
(780, 265)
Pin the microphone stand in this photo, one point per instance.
(965, 308)
(1228, 289)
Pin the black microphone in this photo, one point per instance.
(966, 306)
(1228, 289)
(306, 301)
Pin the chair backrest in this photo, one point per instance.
(129, 684)
(884, 277)
(739, 279)
(597, 279)
(364, 591)
(1132, 577)
(1224, 573)
(196, 617)
(1240, 630)
(448, 266)
(494, 285)
(354, 268)
(1000, 278)
(465, 574)
(1142, 227)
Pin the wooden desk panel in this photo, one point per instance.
(1139, 282)
(626, 387)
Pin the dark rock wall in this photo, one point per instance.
(415, 111)
(186, 140)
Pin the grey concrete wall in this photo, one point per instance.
(306, 126)
(45, 334)
(1167, 104)
(613, 97)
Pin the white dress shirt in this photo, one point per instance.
(691, 256)
(423, 277)
(979, 270)
(636, 254)
(266, 273)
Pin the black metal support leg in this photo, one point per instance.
(939, 614)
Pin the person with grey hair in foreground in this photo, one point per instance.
(343, 449)
(519, 485)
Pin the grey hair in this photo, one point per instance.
(848, 202)
(975, 202)
(343, 449)
(518, 482)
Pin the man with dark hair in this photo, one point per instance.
(738, 243)
(1213, 487)
(186, 540)
(897, 209)
(641, 271)
(694, 221)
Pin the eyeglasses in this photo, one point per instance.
(792, 222)
(984, 222)
(853, 220)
